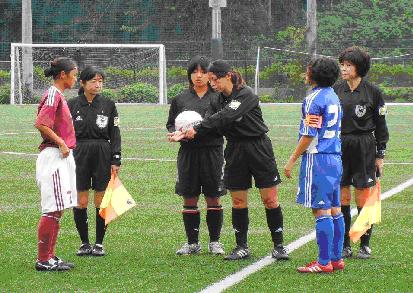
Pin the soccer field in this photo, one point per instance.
(141, 244)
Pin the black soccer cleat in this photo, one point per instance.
(84, 249)
(239, 252)
(364, 252)
(280, 253)
(347, 252)
(98, 250)
(50, 266)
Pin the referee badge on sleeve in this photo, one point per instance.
(116, 121)
(383, 110)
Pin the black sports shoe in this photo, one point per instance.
(50, 265)
(84, 249)
(61, 261)
(347, 252)
(280, 253)
(238, 252)
(364, 252)
(98, 250)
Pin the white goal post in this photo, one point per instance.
(145, 61)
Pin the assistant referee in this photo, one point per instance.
(97, 154)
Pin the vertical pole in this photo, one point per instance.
(163, 95)
(27, 57)
(12, 74)
(217, 48)
(311, 32)
(257, 72)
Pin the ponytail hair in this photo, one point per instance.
(88, 74)
(221, 68)
(58, 65)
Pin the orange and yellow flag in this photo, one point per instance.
(370, 214)
(116, 200)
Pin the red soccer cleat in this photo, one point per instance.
(338, 265)
(315, 267)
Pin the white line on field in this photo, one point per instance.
(128, 159)
(237, 277)
(169, 160)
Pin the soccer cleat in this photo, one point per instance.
(364, 252)
(338, 265)
(188, 249)
(316, 267)
(61, 261)
(216, 248)
(84, 249)
(238, 252)
(280, 253)
(98, 250)
(347, 252)
(50, 265)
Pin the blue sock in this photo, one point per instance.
(324, 232)
(338, 221)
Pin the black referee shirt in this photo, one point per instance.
(240, 117)
(205, 106)
(97, 120)
(364, 111)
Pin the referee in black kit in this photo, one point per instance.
(97, 153)
(200, 161)
(248, 154)
(364, 136)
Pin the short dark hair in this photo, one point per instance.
(193, 64)
(88, 73)
(58, 65)
(323, 71)
(358, 57)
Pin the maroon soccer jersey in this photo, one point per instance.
(54, 113)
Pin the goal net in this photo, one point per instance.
(135, 73)
(279, 75)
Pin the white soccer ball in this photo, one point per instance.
(186, 120)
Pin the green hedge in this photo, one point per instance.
(398, 94)
(139, 93)
(5, 94)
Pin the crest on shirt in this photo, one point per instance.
(102, 121)
(79, 118)
(360, 110)
(234, 104)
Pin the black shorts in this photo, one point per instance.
(93, 164)
(200, 170)
(247, 158)
(359, 160)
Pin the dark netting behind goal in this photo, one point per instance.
(134, 73)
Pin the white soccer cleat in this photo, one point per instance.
(216, 248)
(188, 249)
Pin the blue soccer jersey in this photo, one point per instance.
(321, 119)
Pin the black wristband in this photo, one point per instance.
(380, 154)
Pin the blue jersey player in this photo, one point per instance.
(320, 146)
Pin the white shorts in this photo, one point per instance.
(56, 178)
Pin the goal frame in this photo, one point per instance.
(163, 99)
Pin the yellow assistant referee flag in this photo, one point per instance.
(116, 200)
(370, 214)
